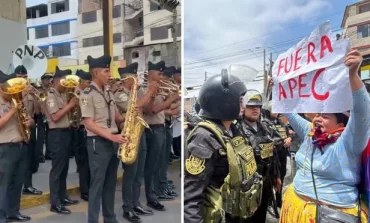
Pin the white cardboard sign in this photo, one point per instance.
(311, 77)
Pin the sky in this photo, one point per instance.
(218, 33)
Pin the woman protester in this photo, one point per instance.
(328, 189)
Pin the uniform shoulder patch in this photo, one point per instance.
(84, 101)
(87, 90)
(51, 103)
(195, 165)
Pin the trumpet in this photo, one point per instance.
(40, 96)
(164, 90)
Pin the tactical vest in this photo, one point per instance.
(282, 131)
(263, 147)
(241, 193)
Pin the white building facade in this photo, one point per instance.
(52, 27)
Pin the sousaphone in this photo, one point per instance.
(32, 58)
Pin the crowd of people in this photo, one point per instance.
(101, 104)
(236, 153)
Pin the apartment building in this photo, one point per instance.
(90, 30)
(356, 25)
(52, 28)
(13, 26)
(148, 35)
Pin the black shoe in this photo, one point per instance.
(131, 216)
(171, 186)
(165, 197)
(85, 197)
(141, 211)
(59, 209)
(31, 191)
(18, 218)
(69, 202)
(156, 205)
(171, 193)
(42, 159)
(47, 157)
(174, 157)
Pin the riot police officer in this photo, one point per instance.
(221, 183)
(264, 149)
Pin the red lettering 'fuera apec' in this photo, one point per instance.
(302, 85)
(310, 49)
(325, 45)
(286, 69)
(281, 92)
(297, 58)
(281, 65)
(292, 83)
(320, 97)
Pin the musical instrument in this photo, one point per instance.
(32, 58)
(70, 82)
(14, 87)
(164, 90)
(133, 128)
(40, 96)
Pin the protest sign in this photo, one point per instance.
(311, 77)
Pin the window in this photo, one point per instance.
(135, 54)
(116, 13)
(156, 53)
(93, 41)
(117, 38)
(41, 32)
(62, 50)
(89, 17)
(45, 49)
(61, 6)
(60, 29)
(154, 7)
(159, 33)
(363, 31)
(364, 8)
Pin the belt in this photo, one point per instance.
(99, 137)
(60, 129)
(156, 125)
(13, 144)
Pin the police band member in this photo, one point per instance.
(42, 124)
(79, 142)
(12, 159)
(164, 185)
(31, 159)
(133, 172)
(100, 117)
(155, 138)
(220, 182)
(59, 136)
(263, 145)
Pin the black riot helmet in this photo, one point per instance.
(219, 97)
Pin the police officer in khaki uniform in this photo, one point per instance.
(59, 138)
(79, 142)
(122, 99)
(42, 124)
(101, 117)
(32, 160)
(221, 183)
(165, 186)
(12, 158)
(155, 138)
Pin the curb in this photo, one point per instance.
(30, 201)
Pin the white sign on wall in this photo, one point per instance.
(311, 77)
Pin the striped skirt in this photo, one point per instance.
(296, 210)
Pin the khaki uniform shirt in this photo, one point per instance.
(122, 99)
(29, 103)
(54, 103)
(94, 104)
(10, 132)
(157, 118)
(78, 92)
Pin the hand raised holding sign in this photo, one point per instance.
(353, 61)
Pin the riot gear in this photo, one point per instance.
(219, 97)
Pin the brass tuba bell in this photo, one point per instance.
(14, 87)
(71, 82)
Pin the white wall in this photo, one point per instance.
(15, 34)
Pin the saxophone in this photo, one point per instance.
(14, 87)
(132, 129)
(70, 82)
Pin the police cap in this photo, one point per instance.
(160, 66)
(100, 62)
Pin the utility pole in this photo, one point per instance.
(108, 28)
(264, 72)
(205, 75)
(174, 36)
(271, 64)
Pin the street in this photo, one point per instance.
(41, 214)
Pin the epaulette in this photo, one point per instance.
(87, 90)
